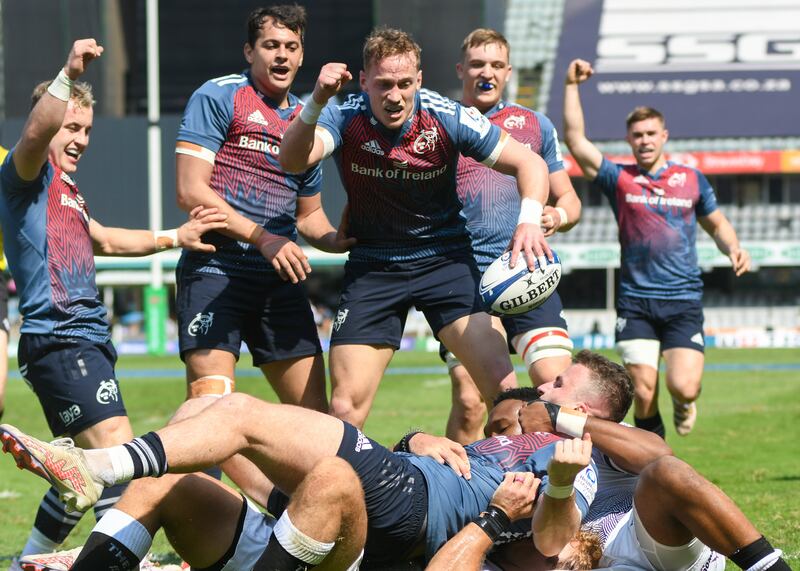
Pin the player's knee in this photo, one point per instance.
(333, 480)
(241, 406)
(344, 408)
(667, 474)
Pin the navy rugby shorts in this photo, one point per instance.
(272, 316)
(376, 297)
(675, 323)
(74, 380)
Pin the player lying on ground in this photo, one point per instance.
(668, 518)
(426, 502)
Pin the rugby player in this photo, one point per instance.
(65, 350)
(248, 289)
(491, 206)
(657, 204)
(5, 325)
(414, 503)
(397, 147)
(213, 527)
(652, 511)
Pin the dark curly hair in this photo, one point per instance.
(291, 16)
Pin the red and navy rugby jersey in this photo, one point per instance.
(490, 198)
(240, 130)
(50, 253)
(401, 185)
(657, 218)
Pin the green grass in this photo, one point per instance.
(746, 439)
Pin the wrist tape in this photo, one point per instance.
(310, 112)
(166, 239)
(493, 522)
(61, 86)
(530, 212)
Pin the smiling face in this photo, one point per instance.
(647, 139)
(484, 72)
(71, 140)
(392, 84)
(274, 58)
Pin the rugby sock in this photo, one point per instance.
(289, 549)
(52, 525)
(141, 457)
(118, 541)
(652, 424)
(108, 498)
(759, 556)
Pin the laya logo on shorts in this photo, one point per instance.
(621, 323)
(70, 415)
(107, 392)
(362, 443)
(426, 141)
(201, 324)
(341, 316)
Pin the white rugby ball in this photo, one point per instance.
(511, 291)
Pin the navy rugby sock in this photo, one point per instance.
(652, 424)
(757, 553)
(104, 552)
(276, 558)
(52, 525)
(147, 453)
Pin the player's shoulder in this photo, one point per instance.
(437, 103)
(224, 86)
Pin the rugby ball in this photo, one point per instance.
(511, 291)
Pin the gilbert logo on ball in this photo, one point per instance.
(511, 291)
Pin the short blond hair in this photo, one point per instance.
(81, 95)
(482, 36)
(385, 42)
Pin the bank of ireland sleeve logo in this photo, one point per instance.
(107, 392)
(201, 323)
(341, 316)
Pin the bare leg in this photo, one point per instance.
(467, 411)
(676, 504)
(645, 384)
(299, 381)
(482, 349)
(274, 437)
(684, 373)
(3, 367)
(328, 507)
(356, 372)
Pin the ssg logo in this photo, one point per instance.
(200, 324)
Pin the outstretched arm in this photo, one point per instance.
(629, 448)
(47, 116)
(124, 242)
(721, 230)
(582, 149)
(301, 148)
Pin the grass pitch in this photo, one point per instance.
(745, 440)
